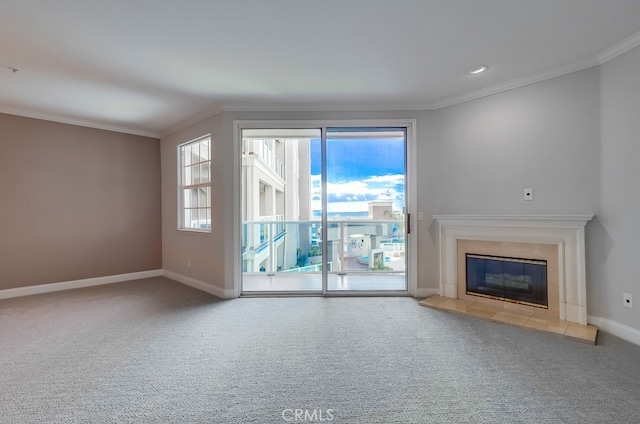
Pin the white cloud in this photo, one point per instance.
(389, 179)
(349, 196)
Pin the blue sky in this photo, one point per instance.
(359, 170)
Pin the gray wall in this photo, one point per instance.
(615, 242)
(76, 202)
(544, 136)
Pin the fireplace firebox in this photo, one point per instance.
(515, 280)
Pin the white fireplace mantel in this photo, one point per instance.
(564, 231)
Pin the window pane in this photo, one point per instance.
(186, 155)
(202, 198)
(204, 149)
(195, 148)
(187, 218)
(195, 173)
(203, 219)
(186, 198)
(204, 172)
(187, 176)
(194, 197)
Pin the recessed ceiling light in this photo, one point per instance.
(478, 69)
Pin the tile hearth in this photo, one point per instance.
(506, 315)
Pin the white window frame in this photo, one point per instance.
(411, 192)
(186, 172)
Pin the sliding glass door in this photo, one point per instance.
(323, 210)
(365, 202)
(281, 240)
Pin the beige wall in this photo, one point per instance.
(76, 202)
(205, 257)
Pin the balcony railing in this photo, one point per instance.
(273, 245)
(271, 218)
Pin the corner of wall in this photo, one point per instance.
(222, 293)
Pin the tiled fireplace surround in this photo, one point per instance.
(559, 239)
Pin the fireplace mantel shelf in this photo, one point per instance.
(564, 231)
(517, 220)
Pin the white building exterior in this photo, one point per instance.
(276, 195)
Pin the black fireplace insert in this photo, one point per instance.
(511, 279)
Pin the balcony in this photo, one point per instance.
(273, 248)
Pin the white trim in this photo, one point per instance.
(327, 107)
(76, 284)
(421, 293)
(200, 285)
(542, 221)
(237, 207)
(411, 206)
(241, 124)
(76, 121)
(625, 332)
(619, 48)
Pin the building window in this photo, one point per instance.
(195, 185)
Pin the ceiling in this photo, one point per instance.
(152, 66)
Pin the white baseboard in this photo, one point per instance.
(625, 332)
(76, 284)
(425, 292)
(216, 291)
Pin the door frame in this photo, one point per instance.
(410, 189)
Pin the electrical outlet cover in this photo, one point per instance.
(528, 194)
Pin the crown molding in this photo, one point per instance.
(199, 117)
(439, 104)
(76, 121)
(619, 48)
(515, 83)
(326, 107)
(599, 59)
(291, 107)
